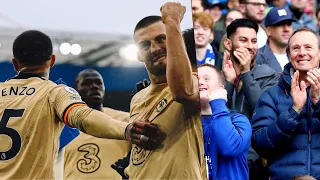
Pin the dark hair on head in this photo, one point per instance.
(205, 4)
(221, 77)
(188, 36)
(242, 1)
(303, 29)
(317, 11)
(80, 74)
(147, 21)
(303, 177)
(232, 28)
(32, 48)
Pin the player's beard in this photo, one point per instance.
(158, 69)
(235, 59)
(253, 17)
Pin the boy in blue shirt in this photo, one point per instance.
(226, 134)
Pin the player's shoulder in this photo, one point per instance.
(62, 90)
(110, 110)
(117, 114)
(63, 87)
(139, 95)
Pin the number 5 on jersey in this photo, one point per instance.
(12, 133)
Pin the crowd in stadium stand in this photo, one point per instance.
(268, 53)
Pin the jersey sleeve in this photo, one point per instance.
(117, 114)
(63, 99)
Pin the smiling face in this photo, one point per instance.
(304, 51)
(209, 80)
(151, 41)
(202, 35)
(244, 37)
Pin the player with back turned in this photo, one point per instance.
(33, 110)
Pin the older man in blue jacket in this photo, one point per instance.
(226, 134)
(286, 126)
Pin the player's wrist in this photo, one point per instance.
(175, 21)
(127, 132)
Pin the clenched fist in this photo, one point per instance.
(172, 11)
(220, 93)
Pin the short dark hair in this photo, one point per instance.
(221, 77)
(188, 36)
(317, 11)
(80, 74)
(303, 29)
(147, 21)
(205, 4)
(232, 28)
(32, 47)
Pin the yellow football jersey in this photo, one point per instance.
(88, 157)
(182, 156)
(31, 112)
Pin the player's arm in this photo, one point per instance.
(183, 85)
(70, 108)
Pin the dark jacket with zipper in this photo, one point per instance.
(288, 140)
(266, 56)
(254, 83)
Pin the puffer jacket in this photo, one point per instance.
(289, 141)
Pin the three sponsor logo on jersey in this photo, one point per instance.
(90, 162)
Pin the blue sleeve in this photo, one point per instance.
(316, 109)
(231, 137)
(68, 134)
(271, 131)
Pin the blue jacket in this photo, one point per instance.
(290, 142)
(226, 142)
(266, 56)
(305, 20)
